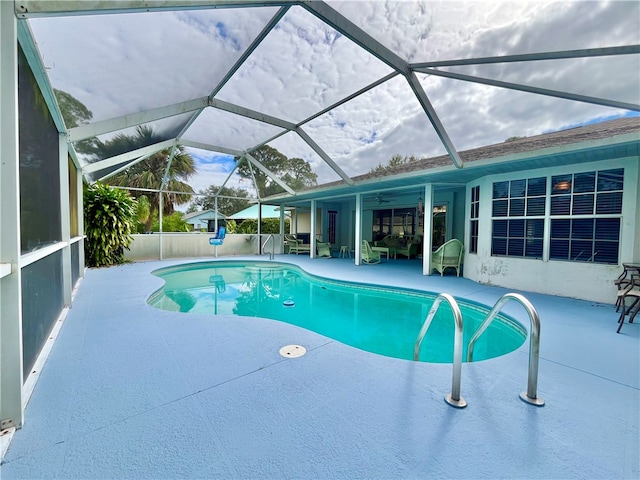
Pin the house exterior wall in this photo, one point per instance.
(588, 281)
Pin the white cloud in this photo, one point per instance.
(127, 63)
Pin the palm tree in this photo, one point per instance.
(148, 173)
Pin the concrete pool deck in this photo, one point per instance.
(130, 391)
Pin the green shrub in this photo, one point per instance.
(232, 227)
(171, 223)
(109, 219)
(269, 225)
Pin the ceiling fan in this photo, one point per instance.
(379, 199)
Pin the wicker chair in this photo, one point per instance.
(449, 255)
(368, 255)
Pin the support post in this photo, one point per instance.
(312, 233)
(11, 409)
(358, 252)
(65, 218)
(428, 229)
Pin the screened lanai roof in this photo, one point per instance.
(342, 85)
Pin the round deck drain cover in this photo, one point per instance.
(292, 351)
(288, 303)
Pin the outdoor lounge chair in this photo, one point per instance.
(296, 245)
(368, 255)
(631, 291)
(324, 249)
(449, 255)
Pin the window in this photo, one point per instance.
(585, 211)
(473, 223)
(516, 230)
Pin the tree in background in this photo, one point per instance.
(149, 172)
(226, 206)
(295, 172)
(74, 112)
(394, 162)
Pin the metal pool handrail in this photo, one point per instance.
(272, 255)
(531, 395)
(454, 399)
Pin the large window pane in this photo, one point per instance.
(609, 180)
(583, 204)
(535, 228)
(73, 199)
(584, 182)
(606, 252)
(517, 188)
(607, 229)
(500, 228)
(39, 165)
(516, 228)
(560, 228)
(516, 207)
(561, 205)
(533, 248)
(609, 203)
(581, 250)
(559, 250)
(42, 302)
(515, 247)
(75, 263)
(535, 206)
(536, 186)
(500, 208)
(501, 190)
(561, 184)
(582, 228)
(499, 246)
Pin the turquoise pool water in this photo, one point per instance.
(376, 319)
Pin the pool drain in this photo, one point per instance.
(288, 303)
(292, 351)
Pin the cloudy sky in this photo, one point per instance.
(125, 63)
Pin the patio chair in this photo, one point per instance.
(368, 255)
(296, 245)
(324, 249)
(631, 291)
(449, 255)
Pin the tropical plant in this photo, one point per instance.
(109, 218)
(226, 206)
(143, 212)
(232, 226)
(171, 223)
(268, 225)
(295, 172)
(149, 173)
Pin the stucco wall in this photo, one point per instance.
(185, 245)
(588, 281)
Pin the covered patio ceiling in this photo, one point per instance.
(342, 85)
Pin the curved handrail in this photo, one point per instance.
(531, 395)
(454, 399)
(273, 246)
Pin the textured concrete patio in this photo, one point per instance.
(129, 391)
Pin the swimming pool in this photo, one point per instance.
(376, 319)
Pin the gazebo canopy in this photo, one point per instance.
(342, 85)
